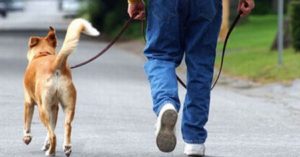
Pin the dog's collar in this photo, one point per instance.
(42, 54)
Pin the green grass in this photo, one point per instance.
(249, 56)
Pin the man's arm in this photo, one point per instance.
(245, 7)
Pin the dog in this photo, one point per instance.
(48, 82)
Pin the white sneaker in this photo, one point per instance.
(194, 149)
(165, 134)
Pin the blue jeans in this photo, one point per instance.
(177, 28)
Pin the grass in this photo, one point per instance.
(249, 56)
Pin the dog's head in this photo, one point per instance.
(42, 45)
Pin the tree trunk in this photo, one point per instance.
(287, 38)
(225, 20)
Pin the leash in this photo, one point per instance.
(125, 27)
(232, 26)
(236, 20)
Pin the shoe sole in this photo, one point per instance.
(166, 139)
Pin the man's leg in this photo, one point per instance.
(164, 54)
(163, 51)
(201, 39)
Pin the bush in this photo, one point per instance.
(262, 7)
(294, 12)
(109, 16)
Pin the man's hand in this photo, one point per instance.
(245, 7)
(137, 10)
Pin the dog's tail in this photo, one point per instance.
(71, 40)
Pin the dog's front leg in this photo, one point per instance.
(28, 113)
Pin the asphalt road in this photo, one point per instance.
(114, 115)
(37, 15)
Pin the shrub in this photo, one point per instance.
(294, 12)
(109, 16)
(262, 7)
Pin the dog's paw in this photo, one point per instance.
(48, 154)
(45, 147)
(68, 150)
(27, 139)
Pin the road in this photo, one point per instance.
(38, 15)
(114, 115)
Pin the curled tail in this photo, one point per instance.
(71, 40)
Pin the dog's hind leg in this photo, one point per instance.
(69, 115)
(54, 113)
(28, 113)
(47, 118)
(68, 102)
(46, 144)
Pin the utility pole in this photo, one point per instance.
(280, 32)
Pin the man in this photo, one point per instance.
(176, 28)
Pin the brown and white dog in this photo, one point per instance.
(48, 82)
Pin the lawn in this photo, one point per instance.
(249, 56)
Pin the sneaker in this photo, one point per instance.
(165, 134)
(194, 150)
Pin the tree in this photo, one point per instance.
(109, 16)
(294, 12)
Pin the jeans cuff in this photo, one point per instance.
(194, 141)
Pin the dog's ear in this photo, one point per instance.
(51, 37)
(33, 41)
